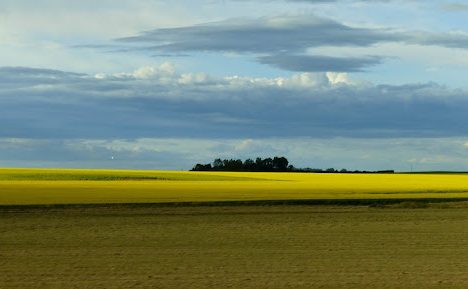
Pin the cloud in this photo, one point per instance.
(263, 35)
(165, 70)
(310, 63)
(155, 117)
(62, 105)
(458, 39)
(283, 41)
(280, 38)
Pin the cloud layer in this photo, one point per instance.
(307, 63)
(284, 41)
(158, 102)
(298, 97)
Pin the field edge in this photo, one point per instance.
(403, 202)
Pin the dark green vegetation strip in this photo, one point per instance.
(415, 202)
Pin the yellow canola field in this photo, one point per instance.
(43, 186)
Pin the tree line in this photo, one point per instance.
(276, 164)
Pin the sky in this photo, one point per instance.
(148, 84)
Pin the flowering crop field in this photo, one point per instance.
(401, 245)
(61, 186)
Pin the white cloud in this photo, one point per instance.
(166, 69)
(193, 78)
(338, 78)
(296, 81)
(244, 145)
(87, 18)
(166, 73)
(144, 72)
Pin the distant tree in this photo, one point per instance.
(237, 165)
(218, 165)
(258, 164)
(249, 165)
(267, 165)
(280, 164)
(201, 167)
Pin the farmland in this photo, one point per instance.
(234, 247)
(43, 187)
(165, 229)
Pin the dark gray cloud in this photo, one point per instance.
(277, 37)
(265, 35)
(23, 76)
(172, 105)
(450, 40)
(319, 63)
(288, 36)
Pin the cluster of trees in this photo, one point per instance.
(276, 164)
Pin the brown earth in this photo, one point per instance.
(234, 247)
